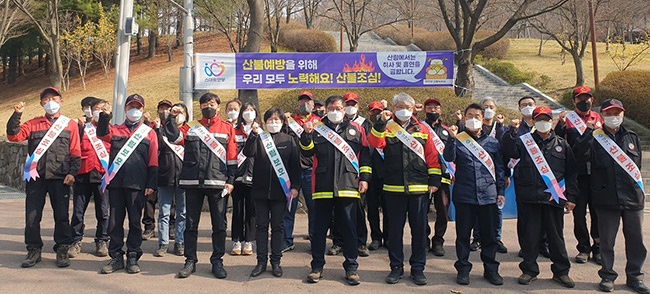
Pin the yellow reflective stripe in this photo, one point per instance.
(348, 193)
(365, 169)
(412, 188)
(390, 135)
(377, 133)
(418, 188)
(341, 193)
(445, 181)
(308, 147)
(322, 195)
(435, 171)
(420, 135)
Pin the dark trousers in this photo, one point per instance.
(194, 203)
(149, 216)
(536, 218)
(345, 209)
(416, 207)
(362, 229)
(375, 201)
(82, 194)
(580, 218)
(125, 202)
(466, 215)
(243, 214)
(269, 211)
(635, 251)
(441, 203)
(520, 231)
(34, 203)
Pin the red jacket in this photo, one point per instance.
(64, 155)
(90, 160)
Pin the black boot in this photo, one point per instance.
(33, 257)
(116, 263)
(276, 269)
(218, 271)
(62, 258)
(258, 270)
(132, 266)
(188, 269)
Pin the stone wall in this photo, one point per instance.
(12, 162)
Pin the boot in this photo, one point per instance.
(116, 263)
(218, 271)
(101, 248)
(132, 266)
(74, 250)
(276, 270)
(179, 249)
(62, 258)
(188, 269)
(33, 257)
(258, 270)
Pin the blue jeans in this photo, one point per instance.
(165, 197)
(290, 217)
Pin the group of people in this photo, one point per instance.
(391, 163)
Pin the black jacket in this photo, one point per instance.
(169, 164)
(266, 184)
(443, 134)
(244, 174)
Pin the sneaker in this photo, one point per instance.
(132, 266)
(334, 250)
(218, 271)
(638, 287)
(501, 248)
(148, 234)
(363, 251)
(564, 280)
(475, 245)
(33, 257)
(526, 279)
(374, 245)
(162, 250)
(236, 248)
(395, 275)
(352, 277)
(494, 278)
(248, 248)
(582, 257)
(314, 276)
(438, 250)
(462, 278)
(74, 250)
(62, 258)
(179, 249)
(101, 248)
(606, 285)
(188, 269)
(288, 247)
(418, 278)
(597, 258)
(115, 264)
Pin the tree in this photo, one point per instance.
(463, 19)
(273, 11)
(254, 42)
(12, 24)
(230, 17)
(310, 11)
(104, 41)
(80, 48)
(625, 57)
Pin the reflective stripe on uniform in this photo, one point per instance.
(377, 133)
(435, 171)
(341, 193)
(411, 188)
(365, 169)
(308, 147)
(422, 136)
(188, 182)
(445, 181)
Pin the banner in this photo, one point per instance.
(324, 70)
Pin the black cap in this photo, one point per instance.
(318, 102)
(50, 90)
(611, 103)
(135, 98)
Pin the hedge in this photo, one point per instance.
(401, 34)
(632, 87)
(307, 40)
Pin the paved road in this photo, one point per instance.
(158, 274)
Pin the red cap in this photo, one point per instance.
(165, 102)
(582, 90)
(135, 98)
(351, 96)
(306, 94)
(50, 90)
(611, 103)
(432, 100)
(375, 105)
(542, 110)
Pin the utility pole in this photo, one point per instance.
(341, 35)
(186, 83)
(123, 54)
(592, 27)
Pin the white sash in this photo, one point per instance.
(440, 147)
(512, 163)
(359, 120)
(241, 158)
(209, 140)
(124, 154)
(493, 132)
(554, 188)
(406, 139)
(30, 171)
(98, 145)
(295, 127)
(619, 157)
(278, 165)
(576, 121)
(339, 143)
(178, 149)
(477, 150)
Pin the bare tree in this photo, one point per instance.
(230, 17)
(254, 42)
(273, 14)
(310, 11)
(12, 22)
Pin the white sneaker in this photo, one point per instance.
(236, 248)
(248, 248)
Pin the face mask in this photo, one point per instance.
(527, 111)
(233, 114)
(433, 117)
(273, 127)
(489, 113)
(543, 126)
(319, 113)
(613, 121)
(249, 115)
(180, 119)
(403, 114)
(306, 108)
(208, 112)
(163, 115)
(51, 107)
(374, 118)
(134, 114)
(96, 115)
(88, 112)
(583, 106)
(473, 124)
(335, 116)
(351, 110)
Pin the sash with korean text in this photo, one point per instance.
(555, 188)
(477, 150)
(124, 154)
(619, 157)
(339, 143)
(278, 165)
(30, 172)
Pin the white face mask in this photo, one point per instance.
(88, 112)
(96, 115)
(273, 127)
(335, 116)
(351, 110)
(473, 124)
(248, 115)
(180, 119)
(134, 114)
(613, 121)
(233, 114)
(403, 114)
(543, 126)
(489, 113)
(52, 107)
(527, 111)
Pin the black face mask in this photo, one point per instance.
(163, 116)
(208, 112)
(319, 113)
(583, 106)
(374, 118)
(433, 117)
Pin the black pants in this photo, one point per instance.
(362, 230)
(149, 216)
(416, 206)
(635, 251)
(34, 203)
(243, 214)
(549, 219)
(82, 194)
(345, 209)
(125, 202)
(194, 202)
(580, 218)
(269, 211)
(441, 203)
(520, 231)
(466, 215)
(376, 201)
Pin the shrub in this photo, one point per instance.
(307, 40)
(632, 88)
(442, 40)
(401, 34)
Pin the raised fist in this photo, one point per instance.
(255, 128)
(386, 115)
(500, 118)
(106, 108)
(20, 107)
(562, 116)
(515, 123)
(419, 107)
(459, 115)
(308, 127)
(453, 131)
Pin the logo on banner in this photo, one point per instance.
(215, 69)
